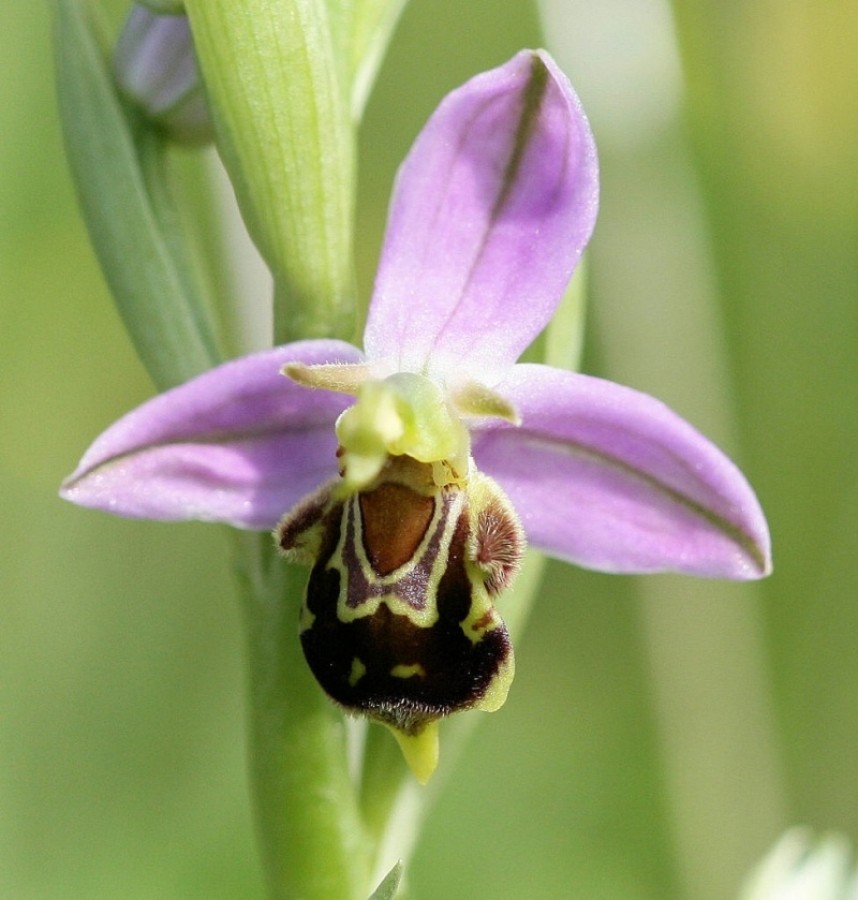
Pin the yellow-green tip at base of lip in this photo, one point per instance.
(404, 414)
(420, 750)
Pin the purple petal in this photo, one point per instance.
(491, 211)
(612, 479)
(239, 444)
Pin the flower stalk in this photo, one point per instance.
(311, 834)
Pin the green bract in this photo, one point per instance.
(116, 161)
(287, 80)
(285, 134)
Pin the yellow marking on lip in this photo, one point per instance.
(357, 672)
(444, 518)
(495, 695)
(403, 671)
(307, 617)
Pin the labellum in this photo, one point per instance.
(398, 621)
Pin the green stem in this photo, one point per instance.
(313, 842)
(385, 773)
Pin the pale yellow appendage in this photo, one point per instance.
(420, 750)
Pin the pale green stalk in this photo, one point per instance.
(659, 330)
(373, 22)
(313, 841)
(703, 640)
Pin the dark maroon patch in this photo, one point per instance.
(395, 518)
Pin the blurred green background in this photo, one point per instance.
(661, 732)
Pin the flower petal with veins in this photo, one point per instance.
(612, 479)
(491, 211)
(239, 444)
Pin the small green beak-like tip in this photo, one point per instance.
(420, 750)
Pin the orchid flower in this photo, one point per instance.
(411, 472)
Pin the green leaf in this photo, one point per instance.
(116, 164)
(372, 25)
(167, 7)
(389, 886)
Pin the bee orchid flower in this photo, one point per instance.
(410, 474)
